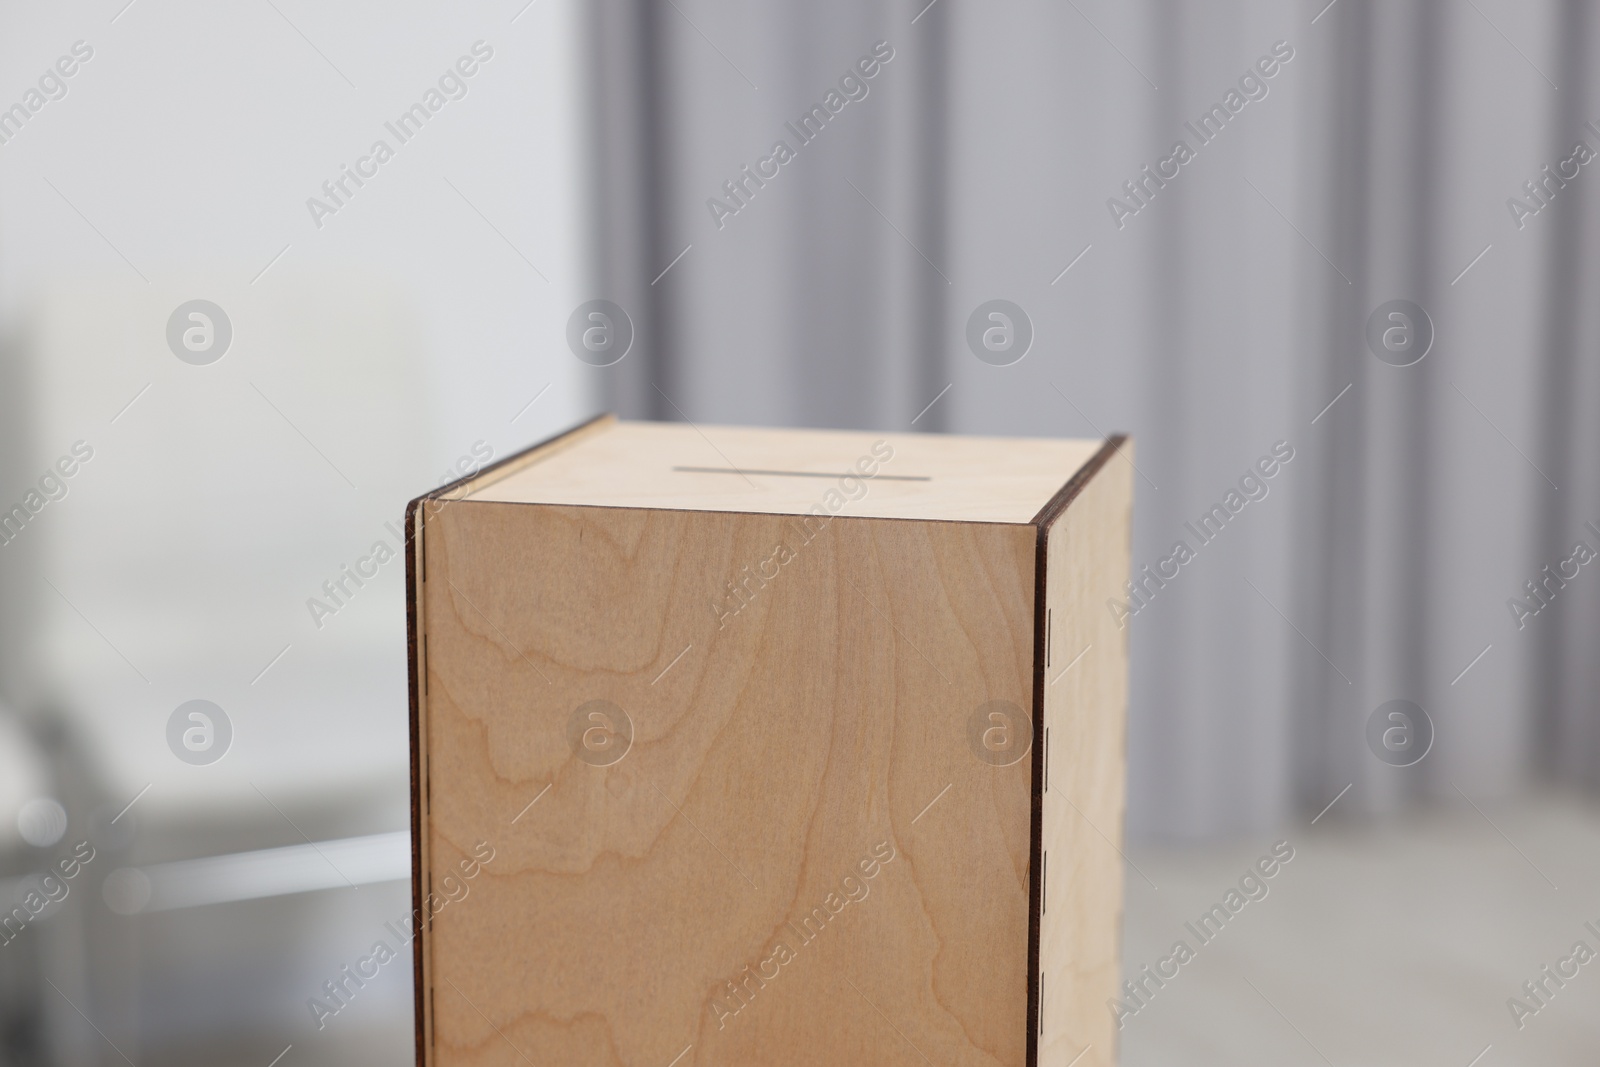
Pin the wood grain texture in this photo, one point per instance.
(821, 841)
(774, 757)
(1085, 706)
(725, 468)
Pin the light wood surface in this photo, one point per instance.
(1085, 702)
(779, 753)
(725, 468)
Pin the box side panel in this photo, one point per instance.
(727, 786)
(1083, 786)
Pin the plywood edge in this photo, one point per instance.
(1074, 485)
(534, 453)
(415, 671)
(1083, 553)
(913, 519)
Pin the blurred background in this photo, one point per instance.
(236, 336)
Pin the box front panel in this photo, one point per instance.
(728, 788)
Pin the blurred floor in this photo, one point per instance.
(1392, 942)
(1380, 943)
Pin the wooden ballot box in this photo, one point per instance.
(747, 746)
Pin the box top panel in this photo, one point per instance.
(682, 467)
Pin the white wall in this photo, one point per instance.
(370, 353)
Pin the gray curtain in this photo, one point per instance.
(1216, 313)
(795, 310)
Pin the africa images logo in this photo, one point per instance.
(999, 332)
(853, 86)
(740, 591)
(338, 992)
(451, 85)
(52, 487)
(1399, 333)
(1252, 86)
(199, 732)
(199, 332)
(52, 86)
(737, 993)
